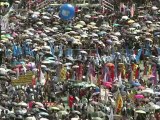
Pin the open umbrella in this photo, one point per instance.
(63, 113)
(100, 114)
(140, 111)
(76, 112)
(110, 65)
(96, 118)
(22, 104)
(139, 96)
(148, 90)
(43, 114)
(54, 108)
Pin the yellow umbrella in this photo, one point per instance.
(4, 3)
(130, 21)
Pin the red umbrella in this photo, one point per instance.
(107, 84)
(110, 65)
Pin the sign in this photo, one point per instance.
(23, 79)
(49, 104)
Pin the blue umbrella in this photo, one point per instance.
(136, 84)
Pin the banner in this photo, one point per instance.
(23, 79)
(63, 73)
(4, 23)
(119, 103)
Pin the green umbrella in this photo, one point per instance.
(68, 29)
(7, 35)
(89, 85)
(3, 36)
(116, 25)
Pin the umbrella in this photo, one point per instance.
(74, 118)
(110, 65)
(148, 90)
(125, 17)
(60, 107)
(136, 25)
(131, 21)
(139, 96)
(63, 113)
(84, 52)
(140, 111)
(89, 85)
(96, 93)
(30, 118)
(96, 118)
(2, 108)
(54, 108)
(42, 109)
(136, 84)
(100, 114)
(76, 112)
(22, 104)
(39, 104)
(43, 114)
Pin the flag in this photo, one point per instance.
(138, 55)
(69, 52)
(60, 51)
(17, 72)
(150, 70)
(154, 73)
(132, 9)
(131, 96)
(19, 50)
(106, 74)
(120, 80)
(119, 103)
(80, 71)
(52, 49)
(63, 73)
(33, 80)
(111, 117)
(42, 79)
(116, 69)
(92, 74)
(15, 53)
(158, 49)
(122, 8)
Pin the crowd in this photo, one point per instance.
(101, 65)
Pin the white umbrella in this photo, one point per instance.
(30, 118)
(45, 17)
(140, 111)
(154, 8)
(84, 52)
(43, 119)
(125, 17)
(22, 104)
(74, 118)
(39, 104)
(148, 90)
(75, 66)
(68, 64)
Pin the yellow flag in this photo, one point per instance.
(63, 73)
(150, 70)
(131, 96)
(119, 103)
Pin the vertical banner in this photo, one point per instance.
(119, 103)
(132, 9)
